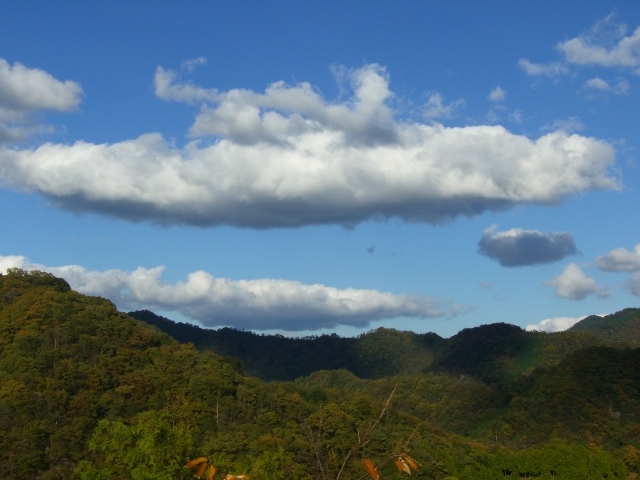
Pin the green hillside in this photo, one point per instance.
(87, 392)
(494, 353)
(591, 395)
(622, 326)
(380, 353)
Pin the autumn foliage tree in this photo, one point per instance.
(88, 392)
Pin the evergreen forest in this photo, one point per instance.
(88, 392)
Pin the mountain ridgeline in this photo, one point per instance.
(90, 393)
(492, 353)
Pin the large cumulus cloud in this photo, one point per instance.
(287, 157)
(517, 247)
(251, 304)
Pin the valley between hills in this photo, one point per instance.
(88, 392)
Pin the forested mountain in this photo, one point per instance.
(623, 326)
(378, 354)
(87, 392)
(497, 352)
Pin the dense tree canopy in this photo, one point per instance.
(88, 392)
(495, 353)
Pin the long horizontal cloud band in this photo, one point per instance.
(251, 304)
(287, 158)
(447, 172)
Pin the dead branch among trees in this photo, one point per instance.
(364, 437)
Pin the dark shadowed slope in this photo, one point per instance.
(379, 353)
(494, 353)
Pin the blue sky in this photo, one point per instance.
(311, 167)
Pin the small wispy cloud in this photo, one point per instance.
(568, 125)
(497, 95)
(623, 260)
(621, 87)
(551, 70)
(606, 44)
(436, 107)
(516, 116)
(190, 65)
(556, 324)
(573, 284)
(492, 117)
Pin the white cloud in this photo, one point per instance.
(516, 116)
(12, 132)
(252, 304)
(436, 107)
(573, 284)
(167, 89)
(633, 284)
(605, 45)
(621, 88)
(287, 158)
(569, 125)
(596, 83)
(29, 89)
(492, 117)
(550, 70)
(517, 247)
(620, 260)
(497, 95)
(556, 324)
(284, 114)
(24, 91)
(190, 65)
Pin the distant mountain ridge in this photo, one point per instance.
(381, 353)
(88, 392)
(492, 353)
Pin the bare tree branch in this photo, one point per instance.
(315, 442)
(362, 441)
